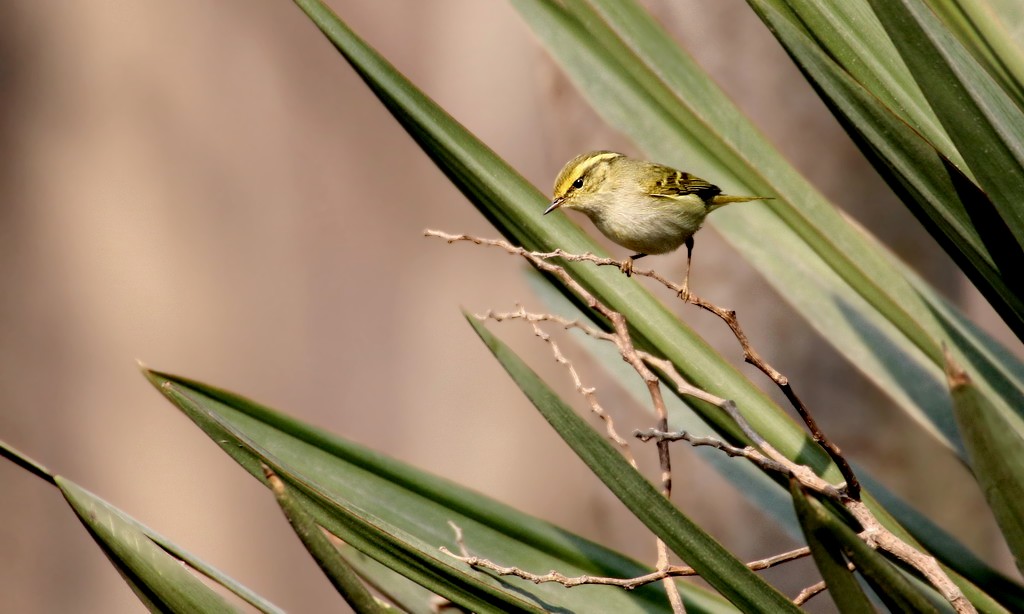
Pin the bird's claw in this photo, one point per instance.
(684, 293)
(627, 267)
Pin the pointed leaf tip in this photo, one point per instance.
(955, 375)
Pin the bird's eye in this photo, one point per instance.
(578, 183)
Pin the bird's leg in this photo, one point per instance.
(685, 292)
(627, 264)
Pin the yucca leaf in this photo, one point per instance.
(984, 123)
(151, 564)
(951, 552)
(995, 442)
(399, 516)
(985, 33)
(836, 540)
(159, 580)
(334, 566)
(715, 565)
(828, 554)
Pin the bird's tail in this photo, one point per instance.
(721, 200)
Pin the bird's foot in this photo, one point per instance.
(684, 293)
(627, 267)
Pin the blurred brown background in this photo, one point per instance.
(207, 187)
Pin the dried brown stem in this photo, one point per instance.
(622, 339)
(670, 571)
(751, 356)
(806, 594)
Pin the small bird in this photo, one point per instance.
(646, 207)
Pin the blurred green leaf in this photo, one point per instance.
(984, 123)
(949, 551)
(986, 35)
(947, 202)
(995, 442)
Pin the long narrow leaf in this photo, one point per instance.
(334, 566)
(987, 36)
(828, 554)
(889, 584)
(158, 579)
(984, 123)
(135, 549)
(714, 564)
(399, 516)
(996, 445)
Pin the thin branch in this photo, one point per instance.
(670, 571)
(806, 594)
(874, 534)
(750, 355)
(621, 337)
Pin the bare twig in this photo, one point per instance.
(670, 571)
(586, 392)
(806, 594)
(750, 355)
(761, 453)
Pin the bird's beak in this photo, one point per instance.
(554, 205)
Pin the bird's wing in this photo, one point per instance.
(679, 183)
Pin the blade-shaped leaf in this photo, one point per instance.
(950, 552)
(135, 549)
(995, 442)
(828, 554)
(341, 575)
(399, 516)
(888, 582)
(714, 564)
(986, 34)
(984, 123)
(950, 205)
(158, 579)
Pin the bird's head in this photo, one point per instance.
(582, 178)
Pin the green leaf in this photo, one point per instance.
(747, 479)
(949, 551)
(950, 205)
(403, 592)
(828, 554)
(834, 536)
(399, 516)
(714, 564)
(141, 555)
(985, 34)
(995, 442)
(159, 580)
(984, 123)
(341, 575)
